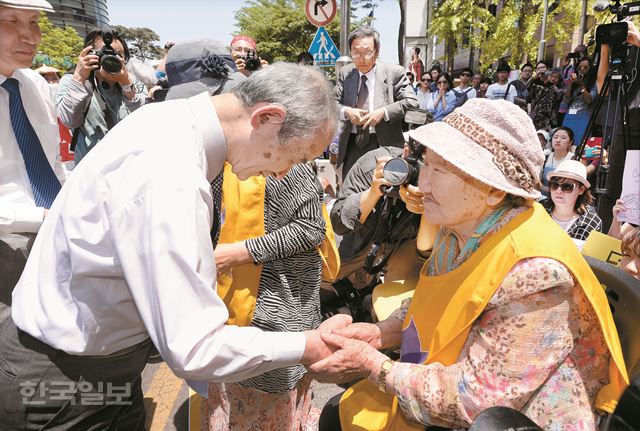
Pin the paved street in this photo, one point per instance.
(166, 399)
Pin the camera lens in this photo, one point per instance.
(111, 64)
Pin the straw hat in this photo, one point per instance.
(493, 141)
(571, 169)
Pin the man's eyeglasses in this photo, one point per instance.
(467, 74)
(365, 55)
(564, 187)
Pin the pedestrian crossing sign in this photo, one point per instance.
(324, 51)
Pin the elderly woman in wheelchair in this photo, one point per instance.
(506, 311)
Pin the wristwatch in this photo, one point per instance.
(382, 376)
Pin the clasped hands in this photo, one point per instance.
(366, 119)
(341, 351)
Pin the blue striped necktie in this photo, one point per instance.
(44, 184)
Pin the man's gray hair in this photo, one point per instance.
(365, 31)
(305, 94)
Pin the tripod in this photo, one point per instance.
(616, 85)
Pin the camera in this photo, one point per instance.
(399, 171)
(252, 61)
(108, 59)
(615, 33)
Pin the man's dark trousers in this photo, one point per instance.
(42, 388)
(354, 152)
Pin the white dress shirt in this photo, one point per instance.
(125, 253)
(371, 85)
(18, 211)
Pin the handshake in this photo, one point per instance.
(341, 351)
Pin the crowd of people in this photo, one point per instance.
(192, 224)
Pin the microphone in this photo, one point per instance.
(601, 5)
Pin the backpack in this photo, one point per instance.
(461, 97)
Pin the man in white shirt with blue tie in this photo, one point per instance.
(124, 260)
(30, 174)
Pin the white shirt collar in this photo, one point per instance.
(210, 129)
(370, 74)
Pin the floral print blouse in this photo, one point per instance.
(537, 347)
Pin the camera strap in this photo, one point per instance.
(392, 213)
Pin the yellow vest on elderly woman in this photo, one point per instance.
(243, 204)
(444, 308)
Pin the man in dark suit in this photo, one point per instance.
(373, 98)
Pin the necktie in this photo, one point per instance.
(216, 192)
(362, 102)
(44, 184)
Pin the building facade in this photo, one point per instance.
(82, 15)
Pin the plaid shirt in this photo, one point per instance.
(583, 226)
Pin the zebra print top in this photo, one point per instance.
(289, 292)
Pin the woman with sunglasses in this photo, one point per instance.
(424, 90)
(443, 101)
(570, 203)
(561, 144)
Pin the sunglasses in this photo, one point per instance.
(465, 74)
(564, 187)
(442, 82)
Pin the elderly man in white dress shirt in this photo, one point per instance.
(30, 175)
(125, 260)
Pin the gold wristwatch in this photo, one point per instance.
(382, 376)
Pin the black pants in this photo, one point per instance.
(354, 152)
(46, 389)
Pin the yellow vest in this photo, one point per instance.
(444, 308)
(243, 203)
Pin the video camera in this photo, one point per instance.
(108, 59)
(616, 33)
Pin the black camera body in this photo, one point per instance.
(612, 34)
(108, 59)
(252, 61)
(399, 171)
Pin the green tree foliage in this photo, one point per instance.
(142, 42)
(512, 34)
(280, 28)
(60, 45)
(460, 23)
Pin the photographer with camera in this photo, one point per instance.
(245, 55)
(545, 93)
(99, 93)
(378, 231)
(577, 103)
(624, 56)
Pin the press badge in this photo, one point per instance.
(573, 111)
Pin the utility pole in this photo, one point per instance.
(345, 24)
(543, 43)
(583, 21)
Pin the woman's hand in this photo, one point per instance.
(86, 64)
(352, 359)
(412, 198)
(618, 209)
(367, 332)
(228, 256)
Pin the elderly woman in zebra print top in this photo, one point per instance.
(287, 300)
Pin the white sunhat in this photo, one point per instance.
(544, 134)
(493, 141)
(571, 169)
(28, 4)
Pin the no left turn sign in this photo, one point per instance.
(320, 12)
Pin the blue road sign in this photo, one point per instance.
(324, 51)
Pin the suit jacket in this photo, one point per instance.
(392, 91)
